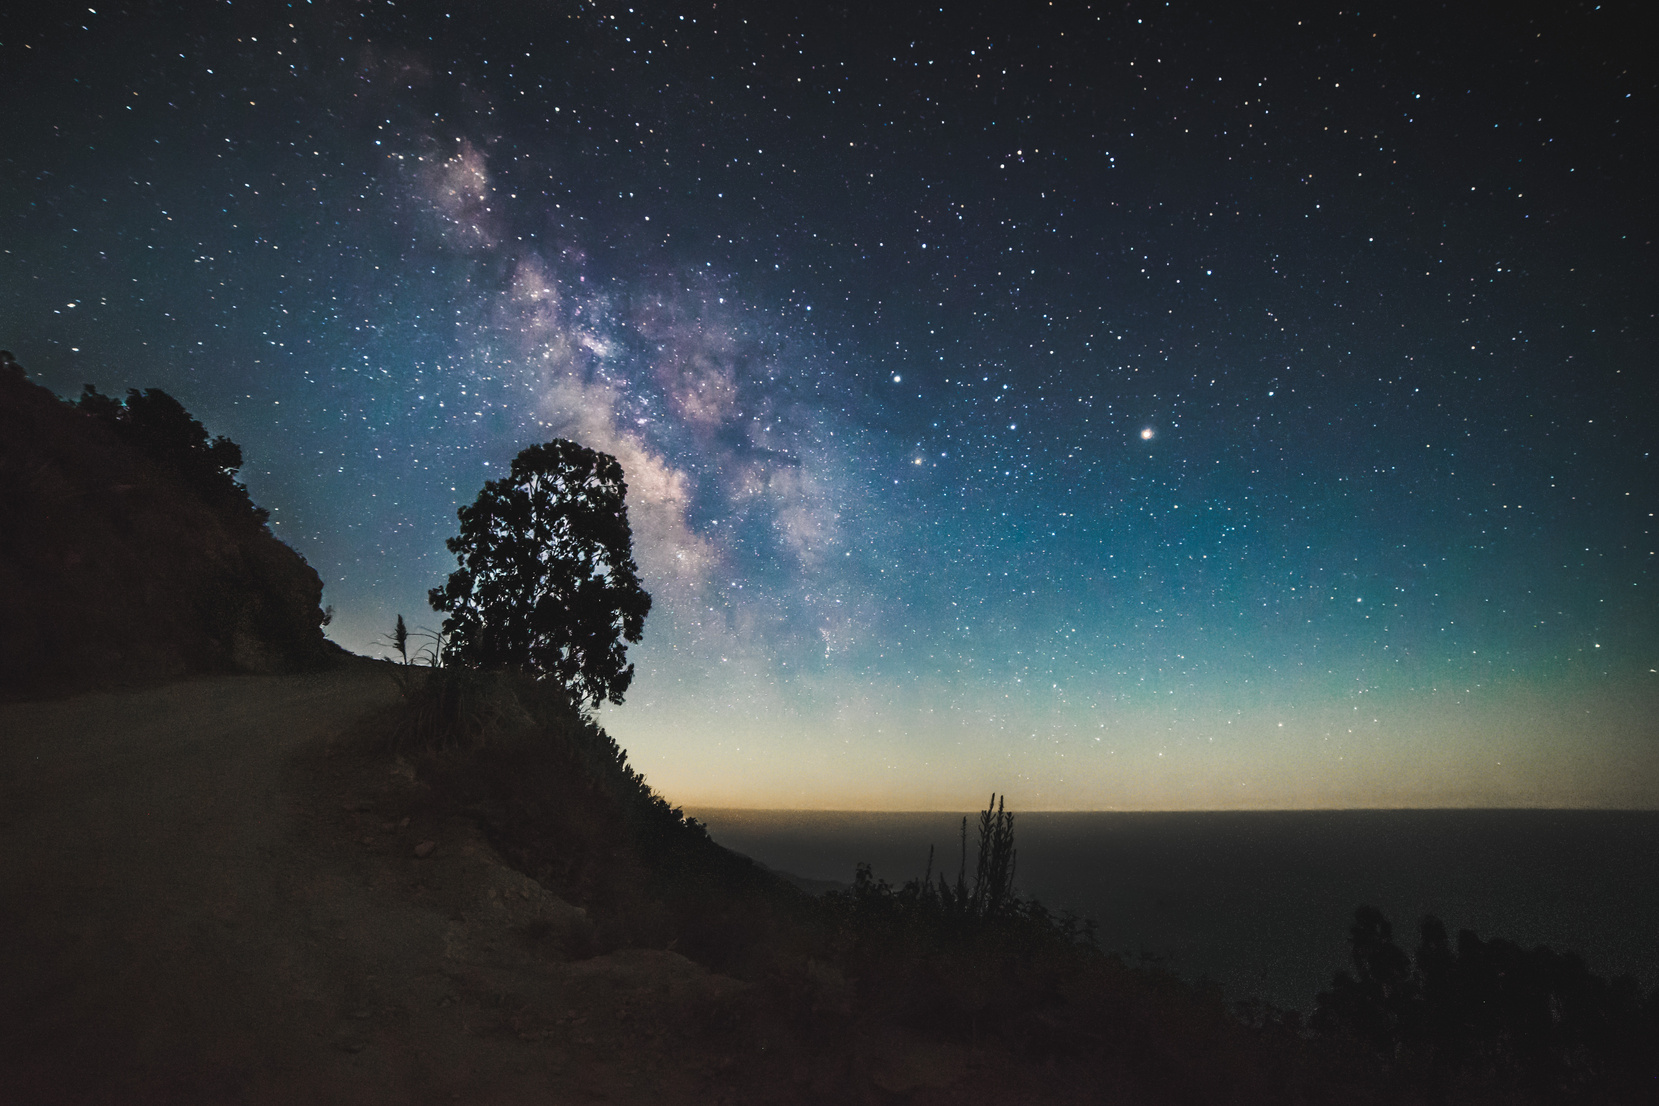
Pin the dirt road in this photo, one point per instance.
(209, 893)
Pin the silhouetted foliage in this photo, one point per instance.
(993, 889)
(158, 424)
(547, 582)
(989, 899)
(1490, 1017)
(453, 707)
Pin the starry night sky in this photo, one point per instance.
(1121, 405)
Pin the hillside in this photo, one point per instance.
(129, 553)
(212, 895)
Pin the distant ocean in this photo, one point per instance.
(1260, 902)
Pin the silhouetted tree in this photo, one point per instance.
(1372, 1003)
(547, 581)
(1492, 1012)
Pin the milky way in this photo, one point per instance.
(1121, 406)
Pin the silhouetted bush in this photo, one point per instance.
(455, 707)
(972, 961)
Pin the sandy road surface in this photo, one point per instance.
(208, 894)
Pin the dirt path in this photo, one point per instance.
(209, 893)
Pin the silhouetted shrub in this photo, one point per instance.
(445, 708)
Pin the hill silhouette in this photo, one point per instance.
(130, 553)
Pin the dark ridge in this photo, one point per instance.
(130, 553)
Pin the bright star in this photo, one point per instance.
(1146, 434)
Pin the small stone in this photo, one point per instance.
(424, 849)
(404, 824)
(368, 840)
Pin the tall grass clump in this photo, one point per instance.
(451, 708)
(447, 706)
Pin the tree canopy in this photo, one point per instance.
(547, 581)
(158, 425)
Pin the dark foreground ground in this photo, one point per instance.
(211, 896)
